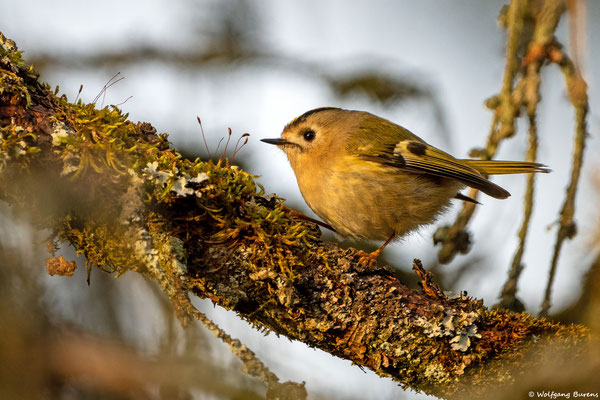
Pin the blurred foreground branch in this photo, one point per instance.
(118, 193)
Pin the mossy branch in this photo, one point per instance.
(121, 195)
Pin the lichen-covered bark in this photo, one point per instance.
(119, 194)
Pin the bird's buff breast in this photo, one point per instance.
(368, 200)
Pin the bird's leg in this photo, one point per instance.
(369, 259)
(299, 215)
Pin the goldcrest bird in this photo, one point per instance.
(370, 178)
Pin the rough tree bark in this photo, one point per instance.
(120, 194)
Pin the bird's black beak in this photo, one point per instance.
(276, 142)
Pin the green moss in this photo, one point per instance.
(104, 152)
(105, 144)
(272, 236)
(17, 77)
(120, 175)
(102, 244)
(8, 49)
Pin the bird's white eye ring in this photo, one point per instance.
(309, 135)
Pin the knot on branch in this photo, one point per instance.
(454, 240)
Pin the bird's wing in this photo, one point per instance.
(420, 157)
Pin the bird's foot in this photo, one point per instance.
(368, 259)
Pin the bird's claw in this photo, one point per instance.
(368, 259)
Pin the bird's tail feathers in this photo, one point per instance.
(494, 167)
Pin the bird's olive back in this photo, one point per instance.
(376, 135)
(322, 134)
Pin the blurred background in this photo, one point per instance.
(252, 66)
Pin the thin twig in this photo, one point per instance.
(507, 109)
(577, 90)
(509, 291)
(506, 104)
(252, 364)
(502, 127)
(530, 90)
(577, 27)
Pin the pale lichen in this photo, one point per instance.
(176, 181)
(462, 341)
(60, 132)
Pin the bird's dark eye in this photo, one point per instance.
(309, 135)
